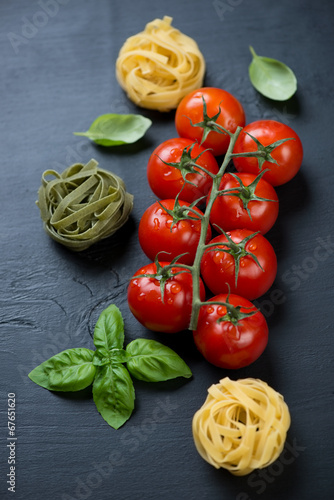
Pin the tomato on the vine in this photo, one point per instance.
(241, 251)
(162, 300)
(168, 226)
(283, 162)
(176, 164)
(229, 337)
(205, 111)
(252, 204)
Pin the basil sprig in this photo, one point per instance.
(114, 129)
(272, 78)
(108, 368)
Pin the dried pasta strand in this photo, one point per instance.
(241, 426)
(83, 204)
(159, 66)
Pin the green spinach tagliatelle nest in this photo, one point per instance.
(83, 204)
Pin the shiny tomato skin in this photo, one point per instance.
(167, 181)
(171, 315)
(288, 155)
(231, 116)
(218, 268)
(229, 213)
(156, 233)
(227, 345)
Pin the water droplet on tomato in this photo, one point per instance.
(141, 296)
(175, 152)
(169, 223)
(134, 283)
(156, 223)
(175, 288)
(217, 258)
(221, 310)
(170, 300)
(229, 264)
(242, 263)
(171, 173)
(252, 247)
(210, 310)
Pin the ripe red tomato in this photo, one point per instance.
(170, 315)
(230, 343)
(228, 211)
(289, 155)
(231, 116)
(166, 181)
(157, 232)
(218, 268)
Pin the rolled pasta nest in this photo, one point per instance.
(83, 204)
(241, 426)
(159, 66)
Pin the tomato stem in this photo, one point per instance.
(195, 269)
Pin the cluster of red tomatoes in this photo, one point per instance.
(236, 265)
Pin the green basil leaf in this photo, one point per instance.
(113, 129)
(272, 78)
(70, 370)
(114, 394)
(109, 329)
(152, 361)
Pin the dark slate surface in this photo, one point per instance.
(57, 75)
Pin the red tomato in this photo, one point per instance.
(218, 267)
(170, 315)
(231, 116)
(228, 211)
(158, 233)
(166, 181)
(229, 343)
(289, 155)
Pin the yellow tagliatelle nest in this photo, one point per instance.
(241, 426)
(159, 66)
(82, 205)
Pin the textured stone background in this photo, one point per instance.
(57, 75)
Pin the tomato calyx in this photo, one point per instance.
(182, 212)
(233, 313)
(263, 153)
(188, 165)
(164, 273)
(209, 123)
(245, 193)
(236, 250)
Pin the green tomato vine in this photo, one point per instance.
(188, 165)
